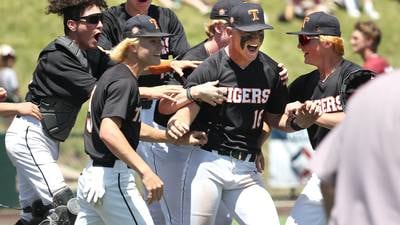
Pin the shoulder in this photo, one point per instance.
(114, 11)
(348, 67)
(153, 9)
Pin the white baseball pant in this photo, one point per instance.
(215, 178)
(122, 202)
(34, 154)
(308, 208)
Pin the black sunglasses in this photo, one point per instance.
(304, 40)
(92, 19)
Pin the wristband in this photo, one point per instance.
(189, 94)
(295, 126)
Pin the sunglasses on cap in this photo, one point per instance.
(92, 19)
(304, 39)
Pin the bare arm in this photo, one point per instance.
(160, 92)
(207, 92)
(330, 120)
(24, 108)
(115, 140)
(179, 124)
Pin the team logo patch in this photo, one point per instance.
(154, 22)
(135, 30)
(306, 19)
(221, 12)
(253, 13)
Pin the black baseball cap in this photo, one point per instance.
(248, 17)
(221, 8)
(319, 23)
(142, 26)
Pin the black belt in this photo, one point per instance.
(244, 156)
(99, 163)
(108, 164)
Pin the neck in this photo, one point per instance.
(367, 53)
(132, 11)
(241, 61)
(134, 67)
(211, 46)
(329, 66)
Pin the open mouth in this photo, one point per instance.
(97, 36)
(252, 48)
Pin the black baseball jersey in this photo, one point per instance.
(114, 21)
(236, 125)
(197, 52)
(116, 95)
(59, 73)
(325, 93)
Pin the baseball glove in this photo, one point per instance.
(353, 81)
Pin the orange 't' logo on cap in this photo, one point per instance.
(253, 14)
(153, 21)
(306, 19)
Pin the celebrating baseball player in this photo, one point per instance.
(107, 190)
(224, 169)
(320, 41)
(61, 83)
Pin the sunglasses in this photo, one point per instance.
(92, 19)
(304, 40)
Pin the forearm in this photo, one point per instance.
(163, 67)
(8, 109)
(330, 120)
(114, 139)
(187, 114)
(150, 134)
(280, 122)
(168, 107)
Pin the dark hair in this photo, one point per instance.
(370, 30)
(72, 9)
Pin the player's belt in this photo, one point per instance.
(108, 164)
(244, 156)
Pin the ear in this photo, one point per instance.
(72, 25)
(229, 31)
(219, 28)
(133, 48)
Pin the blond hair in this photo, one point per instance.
(209, 27)
(337, 42)
(118, 53)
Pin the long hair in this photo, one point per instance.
(118, 53)
(337, 43)
(72, 9)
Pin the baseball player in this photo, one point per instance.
(114, 20)
(320, 41)
(224, 169)
(107, 191)
(61, 83)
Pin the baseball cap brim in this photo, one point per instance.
(155, 35)
(254, 27)
(304, 33)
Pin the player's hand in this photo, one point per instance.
(3, 94)
(308, 114)
(193, 138)
(209, 93)
(29, 109)
(179, 65)
(153, 185)
(260, 162)
(162, 91)
(94, 189)
(283, 74)
(176, 129)
(292, 108)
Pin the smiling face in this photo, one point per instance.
(149, 51)
(310, 46)
(89, 27)
(247, 44)
(359, 42)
